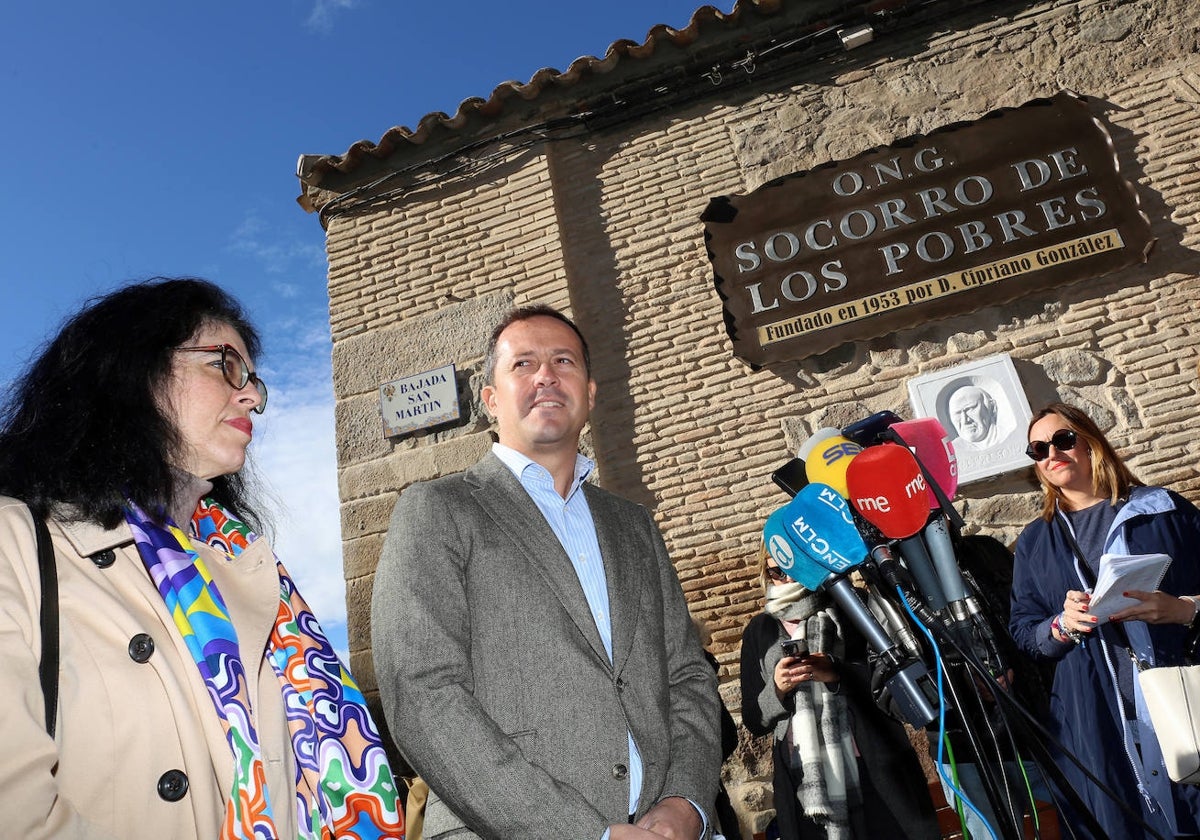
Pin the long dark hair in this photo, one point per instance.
(84, 426)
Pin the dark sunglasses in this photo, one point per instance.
(1063, 440)
(777, 574)
(235, 370)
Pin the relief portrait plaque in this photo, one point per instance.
(970, 215)
(983, 408)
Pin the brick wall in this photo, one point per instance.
(607, 227)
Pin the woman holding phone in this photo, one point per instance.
(843, 768)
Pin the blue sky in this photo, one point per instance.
(144, 139)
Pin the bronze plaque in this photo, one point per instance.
(970, 215)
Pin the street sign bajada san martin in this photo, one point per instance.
(971, 215)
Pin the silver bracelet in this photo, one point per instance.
(1195, 609)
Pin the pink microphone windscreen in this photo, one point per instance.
(930, 442)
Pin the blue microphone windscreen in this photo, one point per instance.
(820, 523)
(794, 562)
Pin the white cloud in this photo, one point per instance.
(286, 290)
(321, 18)
(276, 252)
(296, 459)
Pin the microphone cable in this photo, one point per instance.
(994, 779)
(937, 656)
(1040, 739)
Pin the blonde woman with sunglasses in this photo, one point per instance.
(1093, 505)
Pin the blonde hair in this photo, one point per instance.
(763, 556)
(1111, 479)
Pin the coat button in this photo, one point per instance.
(173, 785)
(141, 647)
(620, 684)
(104, 559)
(620, 771)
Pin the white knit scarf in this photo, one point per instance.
(818, 736)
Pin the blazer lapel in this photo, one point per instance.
(623, 571)
(513, 512)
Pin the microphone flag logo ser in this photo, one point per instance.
(828, 461)
(815, 440)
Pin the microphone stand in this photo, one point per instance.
(962, 689)
(906, 677)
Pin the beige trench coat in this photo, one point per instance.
(126, 728)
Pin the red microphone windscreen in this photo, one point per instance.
(887, 489)
(930, 442)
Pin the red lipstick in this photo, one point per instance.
(243, 425)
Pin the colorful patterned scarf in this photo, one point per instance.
(344, 786)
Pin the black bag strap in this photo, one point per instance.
(1086, 570)
(48, 669)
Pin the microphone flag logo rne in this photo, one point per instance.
(887, 488)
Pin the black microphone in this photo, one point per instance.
(869, 430)
(906, 678)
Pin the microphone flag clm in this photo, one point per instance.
(931, 445)
(813, 538)
(929, 442)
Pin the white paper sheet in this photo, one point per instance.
(1123, 573)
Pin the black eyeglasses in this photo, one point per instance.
(777, 574)
(235, 370)
(1063, 440)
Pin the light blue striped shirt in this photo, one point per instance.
(571, 521)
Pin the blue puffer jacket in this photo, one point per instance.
(1085, 710)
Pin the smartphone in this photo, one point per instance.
(790, 477)
(795, 647)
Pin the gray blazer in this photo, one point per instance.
(493, 677)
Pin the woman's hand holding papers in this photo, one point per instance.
(1075, 618)
(1157, 608)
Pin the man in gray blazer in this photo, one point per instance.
(535, 656)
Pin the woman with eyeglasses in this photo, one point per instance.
(196, 695)
(842, 767)
(1093, 505)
